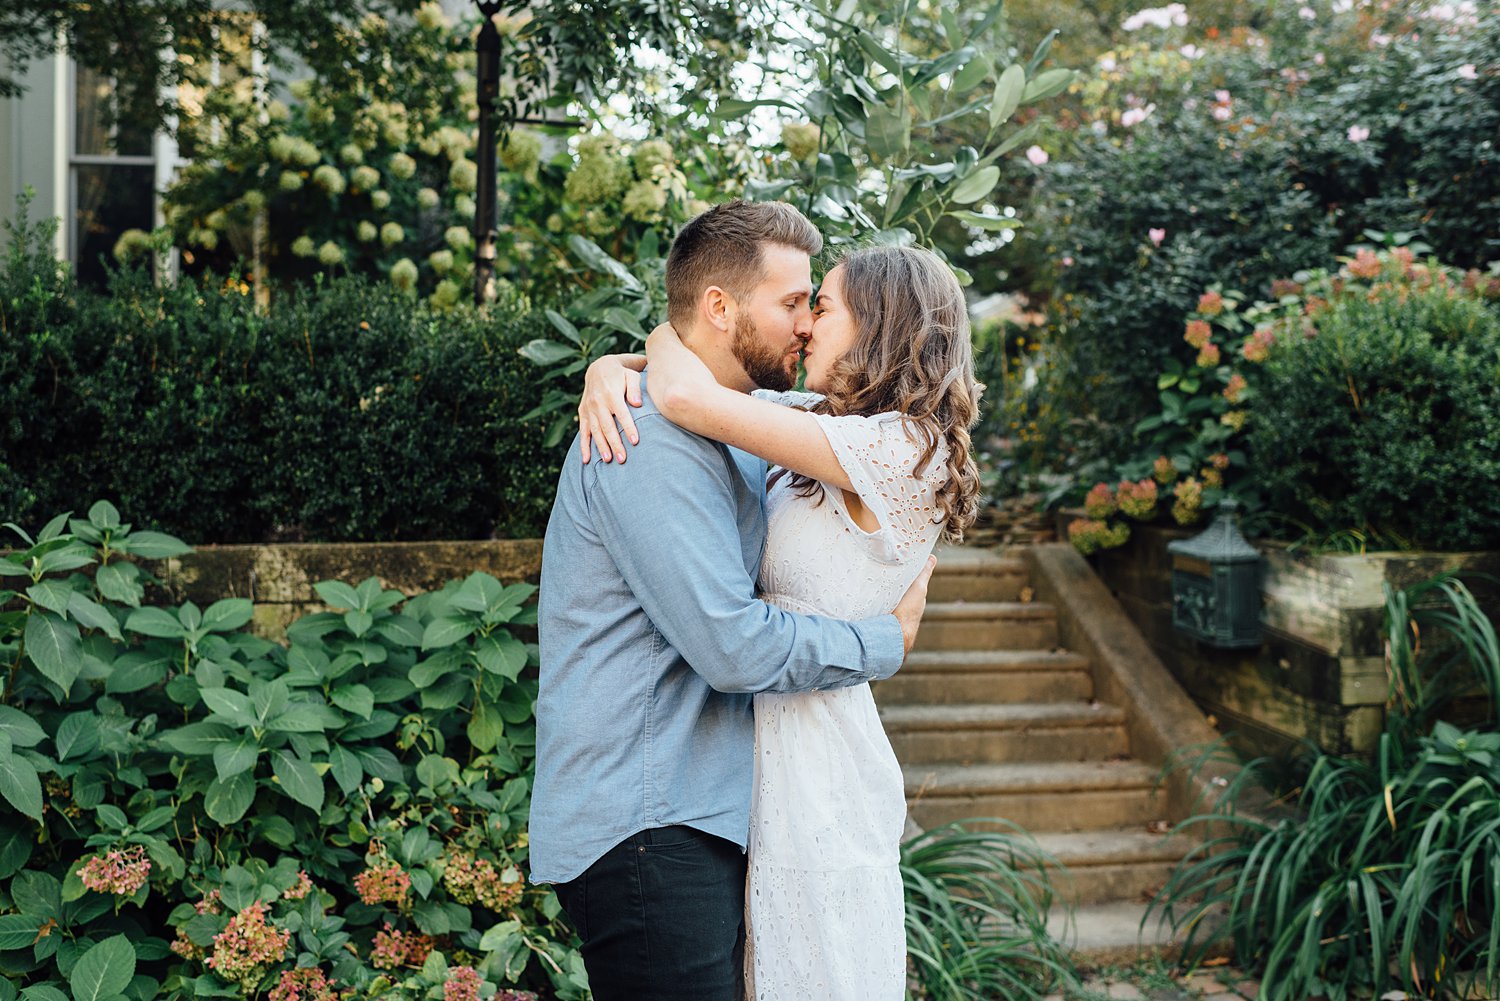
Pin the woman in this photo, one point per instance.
(873, 468)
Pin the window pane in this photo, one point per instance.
(110, 201)
(95, 133)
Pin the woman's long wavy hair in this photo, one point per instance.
(913, 356)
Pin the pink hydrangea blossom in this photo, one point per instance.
(394, 948)
(1198, 333)
(1358, 133)
(1236, 388)
(1036, 155)
(462, 984)
(250, 944)
(1156, 235)
(1468, 71)
(120, 871)
(1100, 503)
(383, 884)
(1208, 355)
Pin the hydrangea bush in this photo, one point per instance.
(1324, 408)
(192, 811)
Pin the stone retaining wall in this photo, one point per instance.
(279, 579)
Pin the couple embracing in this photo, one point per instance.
(716, 599)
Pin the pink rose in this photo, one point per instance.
(1157, 236)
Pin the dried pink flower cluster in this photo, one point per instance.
(470, 880)
(393, 948)
(1100, 502)
(1257, 347)
(1236, 388)
(299, 889)
(1163, 471)
(1198, 333)
(1090, 536)
(462, 984)
(120, 871)
(1189, 505)
(1138, 500)
(306, 983)
(249, 945)
(383, 884)
(1366, 264)
(1208, 355)
(1210, 304)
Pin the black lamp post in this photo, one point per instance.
(485, 221)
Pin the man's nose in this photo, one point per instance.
(804, 324)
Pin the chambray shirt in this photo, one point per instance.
(652, 641)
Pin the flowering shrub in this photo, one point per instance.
(157, 759)
(373, 169)
(1201, 157)
(1376, 412)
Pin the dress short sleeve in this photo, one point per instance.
(789, 398)
(880, 457)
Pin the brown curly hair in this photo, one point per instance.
(913, 356)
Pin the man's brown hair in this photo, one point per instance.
(724, 247)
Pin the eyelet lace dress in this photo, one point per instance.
(825, 913)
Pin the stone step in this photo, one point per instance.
(944, 676)
(1052, 796)
(993, 733)
(1128, 864)
(976, 575)
(988, 625)
(1111, 934)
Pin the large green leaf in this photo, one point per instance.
(55, 647)
(88, 612)
(154, 545)
(1008, 91)
(345, 769)
(235, 756)
(22, 730)
(52, 595)
(135, 671)
(18, 931)
(446, 631)
(103, 971)
(233, 706)
(356, 699)
(197, 738)
(977, 185)
(501, 653)
(299, 779)
(226, 800)
(159, 622)
(228, 614)
(120, 582)
(78, 734)
(338, 594)
(1047, 84)
(38, 894)
(19, 783)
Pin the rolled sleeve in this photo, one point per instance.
(668, 519)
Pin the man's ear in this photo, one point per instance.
(717, 307)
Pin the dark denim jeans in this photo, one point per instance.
(662, 917)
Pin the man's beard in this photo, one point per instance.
(765, 366)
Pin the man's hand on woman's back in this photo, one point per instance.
(913, 603)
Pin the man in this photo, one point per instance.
(652, 641)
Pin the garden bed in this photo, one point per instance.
(1320, 674)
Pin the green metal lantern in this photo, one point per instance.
(1216, 584)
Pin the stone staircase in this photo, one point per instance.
(991, 718)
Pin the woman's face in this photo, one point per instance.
(833, 332)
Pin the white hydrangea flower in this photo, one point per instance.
(331, 253)
(404, 274)
(380, 199)
(365, 232)
(427, 198)
(392, 233)
(304, 246)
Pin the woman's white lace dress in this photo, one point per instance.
(824, 904)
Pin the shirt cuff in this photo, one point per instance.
(884, 645)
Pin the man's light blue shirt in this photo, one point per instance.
(653, 640)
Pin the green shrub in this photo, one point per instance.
(1247, 159)
(1386, 420)
(195, 812)
(346, 411)
(1386, 874)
